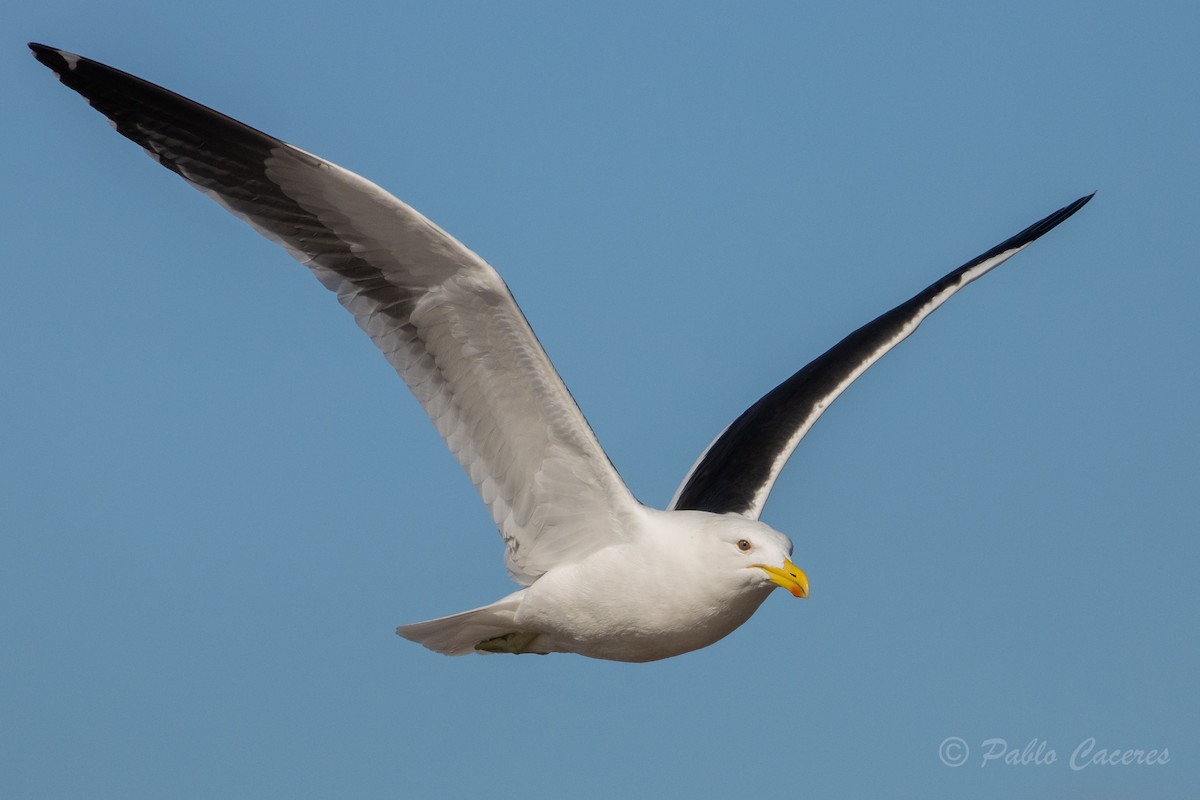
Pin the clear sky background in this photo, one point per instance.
(217, 500)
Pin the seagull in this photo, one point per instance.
(603, 575)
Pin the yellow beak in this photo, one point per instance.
(789, 577)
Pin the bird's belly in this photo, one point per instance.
(627, 618)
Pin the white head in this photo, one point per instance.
(743, 553)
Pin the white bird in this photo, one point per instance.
(603, 575)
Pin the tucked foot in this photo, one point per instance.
(515, 642)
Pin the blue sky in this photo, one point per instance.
(217, 501)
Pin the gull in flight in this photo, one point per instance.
(603, 575)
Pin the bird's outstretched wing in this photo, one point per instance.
(735, 474)
(442, 317)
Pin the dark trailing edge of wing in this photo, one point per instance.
(743, 458)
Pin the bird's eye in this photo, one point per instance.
(744, 545)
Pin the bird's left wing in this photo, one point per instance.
(443, 318)
(735, 474)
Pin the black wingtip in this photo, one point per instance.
(1061, 215)
(1033, 232)
(1069, 209)
(1081, 202)
(53, 58)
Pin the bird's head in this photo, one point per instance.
(761, 554)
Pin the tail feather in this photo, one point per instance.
(460, 634)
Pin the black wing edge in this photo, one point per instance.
(129, 102)
(730, 475)
(212, 151)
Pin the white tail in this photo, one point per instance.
(490, 629)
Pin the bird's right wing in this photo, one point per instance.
(442, 317)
